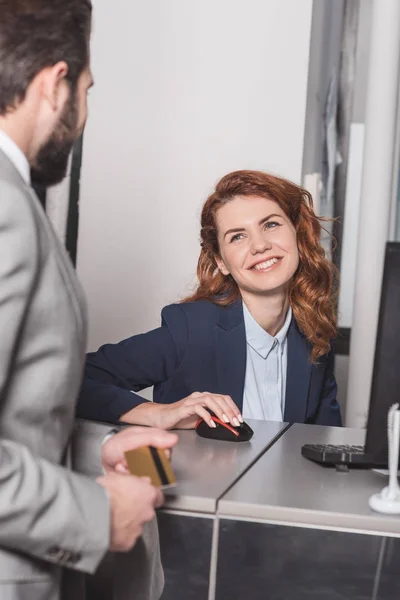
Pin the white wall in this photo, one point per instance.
(185, 92)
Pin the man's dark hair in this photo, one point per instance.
(35, 34)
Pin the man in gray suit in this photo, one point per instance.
(50, 517)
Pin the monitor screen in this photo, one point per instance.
(385, 389)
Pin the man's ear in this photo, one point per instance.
(54, 86)
(221, 265)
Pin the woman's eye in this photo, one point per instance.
(236, 237)
(271, 225)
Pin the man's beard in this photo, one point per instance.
(51, 162)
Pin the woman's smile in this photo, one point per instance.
(266, 264)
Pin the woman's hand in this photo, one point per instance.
(185, 413)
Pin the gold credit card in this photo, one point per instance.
(151, 462)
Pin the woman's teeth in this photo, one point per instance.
(266, 264)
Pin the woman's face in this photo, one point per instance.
(257, 243)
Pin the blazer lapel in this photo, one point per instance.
(298, 376)
(230, 337)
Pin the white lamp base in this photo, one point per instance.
(383, 504)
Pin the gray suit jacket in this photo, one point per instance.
(50, 517)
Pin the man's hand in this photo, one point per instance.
(132, 501)
(113, 451)
(186, 412)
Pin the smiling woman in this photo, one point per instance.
(264, 245)
(250, 219)
(257, 331)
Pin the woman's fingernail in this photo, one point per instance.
(212, 424)
(225, 418)
(240, 418)
(236, 422)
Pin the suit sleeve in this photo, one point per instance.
(116, 371)
(45, 510)
(329, 409)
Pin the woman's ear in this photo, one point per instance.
(221, 266)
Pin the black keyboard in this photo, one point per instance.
(328, 454)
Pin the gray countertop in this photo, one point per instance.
(205, 469)
(285, 487)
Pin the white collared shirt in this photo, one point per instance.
(266, 367)
(16, 156)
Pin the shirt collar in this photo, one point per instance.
(16, 156)
(259, 339)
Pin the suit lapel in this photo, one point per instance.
(230, 338)
(59, 254)
(298, 376)
(66, 269)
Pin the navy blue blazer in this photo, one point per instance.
(201, 347)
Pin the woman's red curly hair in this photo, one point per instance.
(312, 291)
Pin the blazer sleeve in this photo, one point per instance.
(46, 511)
(329, 409)
(116, 371)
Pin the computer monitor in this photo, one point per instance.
(385, 389)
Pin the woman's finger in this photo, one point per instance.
(221, 409)
(204, 414)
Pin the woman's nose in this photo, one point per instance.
(259, 244)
